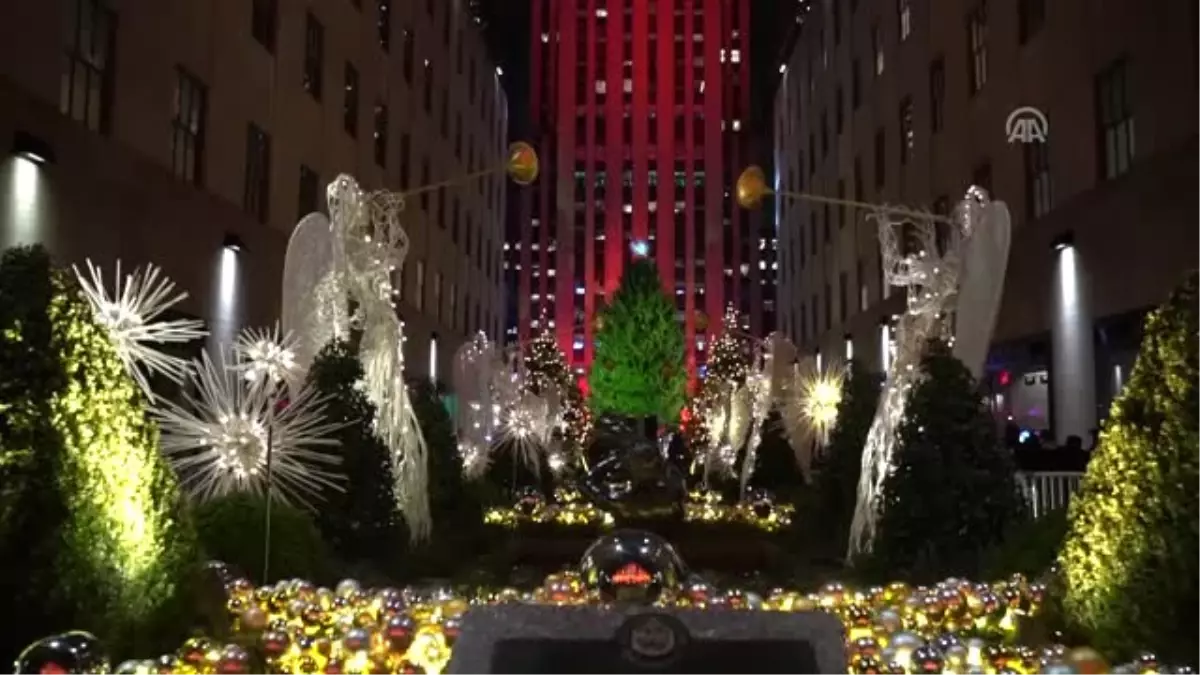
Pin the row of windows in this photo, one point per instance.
(459, 310)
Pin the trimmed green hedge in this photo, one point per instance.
(231, 530)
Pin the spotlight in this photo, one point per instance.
(1063, 241)
(29, 147)
(233, 243)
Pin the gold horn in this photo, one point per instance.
(522, 164)
(752, 187)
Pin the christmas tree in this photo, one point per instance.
(1129, 562)
(952, 492)
(728, 365)
(360, 523)
(549, 372)
(638, 370)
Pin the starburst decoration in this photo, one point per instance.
(220, 439)
(810, 407)
(131, 317)
(266, 357)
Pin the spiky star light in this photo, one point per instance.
(218, 439)
(810, 411)
(131, 316)
(267, 357)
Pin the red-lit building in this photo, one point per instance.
(639, 110)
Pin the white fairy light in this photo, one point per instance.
(217, 440)
(131, 316)
(266, 357)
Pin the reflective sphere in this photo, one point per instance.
(73, 652)
(761, 500)
(632, 478)
(529, 499)
(751, 187)
(631, 566)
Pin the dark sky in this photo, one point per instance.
(508, 37)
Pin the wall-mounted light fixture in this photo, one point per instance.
(849, 347)
(233, 243)
(29, 147)
(1063, 241)
(885, 345)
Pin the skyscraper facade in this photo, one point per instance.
(639, 109)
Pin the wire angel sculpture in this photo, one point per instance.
(131, 315)
(368, 246)
(477, 417)
(931, 277)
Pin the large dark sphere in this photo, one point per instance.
(73, 652)
(631, 478)
(632, 566)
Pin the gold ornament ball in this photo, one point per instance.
(751, 187)
(522, 163)
(1086, 660)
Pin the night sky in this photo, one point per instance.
(507, 30)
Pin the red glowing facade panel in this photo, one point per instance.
(638, 108)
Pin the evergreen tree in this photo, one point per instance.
(548, 371)
(93, 534)
(638, 368)
(728, 364)
(953, 491)
(1129, 562)
(362, 522)
(836, 471)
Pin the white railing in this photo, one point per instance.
(1048, 491)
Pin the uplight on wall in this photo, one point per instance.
(849, 348)
(820, 366)
(885, 346)
(433, 357)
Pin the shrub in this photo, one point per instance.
(1129, 562)
(231, 530)
(952, 493)
(829, 509)
(1029, 548)
(92, 534)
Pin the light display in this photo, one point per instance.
(955, 626)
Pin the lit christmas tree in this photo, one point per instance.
(728, 364)
(548, 371)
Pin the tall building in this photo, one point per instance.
(639, 110)
(195, 134)
(909, 102)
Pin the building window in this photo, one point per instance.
(803, 323)
(410, 56)
(839, 109)
(1039, 188)
(455, 219)
(437, 294)
(453, 304)
(419, 290)
(350, 101)
(86, 89)
(982, 176)
(855, 84)
(858, 179)
(828, 306)
(381, 134)
(458, 135)
(977, 45)
(877, 48)
(310, 186)
(405, 160)
(187, 128)
(264, 18)
(445, 120)
(1031, 14)
(837, 22)
(937, 94)
(425, 178)
(904, 11)
(384, 25)
(256, 196)
(812, 153)
(824, 134)
(843, 295)
(907, 133)
(427, 94)
(841, 209)
(941, 207)
(1114, 114)
(314, 55)
(880, 157)
(863, 297)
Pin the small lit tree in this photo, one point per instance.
(549, 372)
(638, 369)
(1129, 561)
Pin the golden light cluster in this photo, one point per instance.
(955, 626)
(765, 514)
(568, 509)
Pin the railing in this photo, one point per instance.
(1048, 491)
